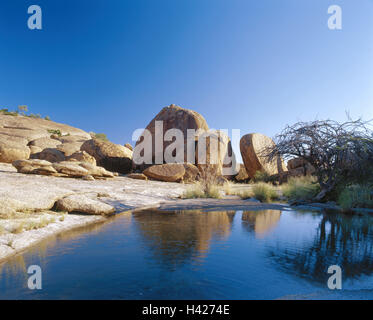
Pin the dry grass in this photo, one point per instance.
(264, 192)
(18, 228)
(32, 224)
(301, 188)
(198, 191)
(207, 187)
(246, 194)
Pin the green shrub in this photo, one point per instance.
(262, 176)
(264, 192)
(47, 118)
(301, 188)
(6, 112)
(356, 196)
(101, 136)
(53, 131)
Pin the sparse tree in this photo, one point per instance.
(341, 153)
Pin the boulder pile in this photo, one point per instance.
(205, 148)
(23, 138)
(299, 167)
(69, 169)
(44, 147)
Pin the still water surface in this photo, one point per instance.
(201, 255)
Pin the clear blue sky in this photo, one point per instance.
(110, 66)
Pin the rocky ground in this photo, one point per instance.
(28, 204)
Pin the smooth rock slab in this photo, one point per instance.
(83, 204)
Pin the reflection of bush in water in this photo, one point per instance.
(176, 237)
(261, 222)
(342, 240)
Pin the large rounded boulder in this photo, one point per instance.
(111, 156)
(254, 149)
(171, 117)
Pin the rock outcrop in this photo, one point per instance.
(35, 128)
(82, 156)
(11, 149)
(44, 143)
(71, 169)
(253, 151)
(22, 136)
(171, 117)
(49, 154)
(112, 157)
(299, 167)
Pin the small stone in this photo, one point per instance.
(88, 177)
(138, 176)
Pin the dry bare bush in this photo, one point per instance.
(341, 153)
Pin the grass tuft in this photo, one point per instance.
(198, 191)
(356, 196)
(264, 192)
(301, 188)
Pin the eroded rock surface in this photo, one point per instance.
(253, 149)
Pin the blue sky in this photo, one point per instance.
(110, 66)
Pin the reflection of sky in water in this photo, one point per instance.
(200, 255)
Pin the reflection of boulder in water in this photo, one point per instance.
(343, 240)
(175, 237)
(261, 222)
